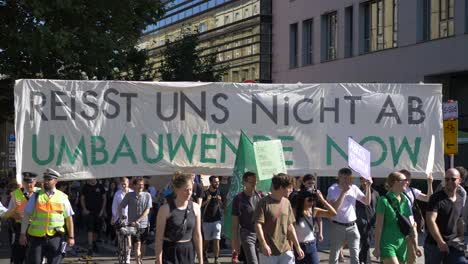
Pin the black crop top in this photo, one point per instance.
(176, 218)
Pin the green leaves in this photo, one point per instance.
(182, 62)
(73, 39)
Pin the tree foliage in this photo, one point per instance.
(74, 39)
(182, 62)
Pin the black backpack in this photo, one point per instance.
(417, 212)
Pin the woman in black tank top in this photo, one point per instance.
(178, 228)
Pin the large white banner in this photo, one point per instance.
(105, 129)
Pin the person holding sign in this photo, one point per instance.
(390, 243)
(343, 196)
(306, 214)
(416, 217)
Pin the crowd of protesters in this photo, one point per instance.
(283, 225)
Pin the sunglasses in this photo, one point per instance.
(450, 179)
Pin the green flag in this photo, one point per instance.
(245, 161)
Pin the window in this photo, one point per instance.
(349, 31)
(202, 27)
(226, 20)
(437, 19)
(330, 36)
(307, 34)
(380, 25)
(255, 9)
(236, 16)
(293, 45)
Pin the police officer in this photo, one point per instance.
(46, 214)
(19, 198)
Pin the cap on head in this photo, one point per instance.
(50, 173)
(29, 176)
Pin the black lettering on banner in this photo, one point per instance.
(286, 111)
(352, 109)
(221, 107)
(37, 107)
(296, 112)
(175, 107)
(201, 111)
(129, 97)
(273, 115)
(415, 109)
(92, 105)
(393, 112)
(55, 102)
(331, 109)
(109, 100)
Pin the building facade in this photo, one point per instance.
(389, 41)
(237, 31)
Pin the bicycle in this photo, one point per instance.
(124, 231)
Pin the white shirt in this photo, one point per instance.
(304, 232)
(2, 209)
(410, 195)
(118, 197)
(346, 213)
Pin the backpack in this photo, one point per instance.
(417, 212)
(404, 224)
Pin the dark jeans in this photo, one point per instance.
(364, 255)
(18, 252)
(49, 247)
(432, 255)
(311, 255)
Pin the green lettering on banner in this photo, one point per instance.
(287, 149)
(225, 142)
(413, 155)
(181, 141)
(332, 144)
(101, 149)
(35, 155)
(144, 151)
(204, 146)
(119, 153)
(81, 148)
(259, 138)
(379, 141)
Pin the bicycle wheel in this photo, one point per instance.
(122, 249)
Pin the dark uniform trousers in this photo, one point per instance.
(48, 247)
(18, 252)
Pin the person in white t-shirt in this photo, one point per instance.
(343, 196)
(118, 197)
(415, 194)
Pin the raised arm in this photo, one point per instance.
(328, 212)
